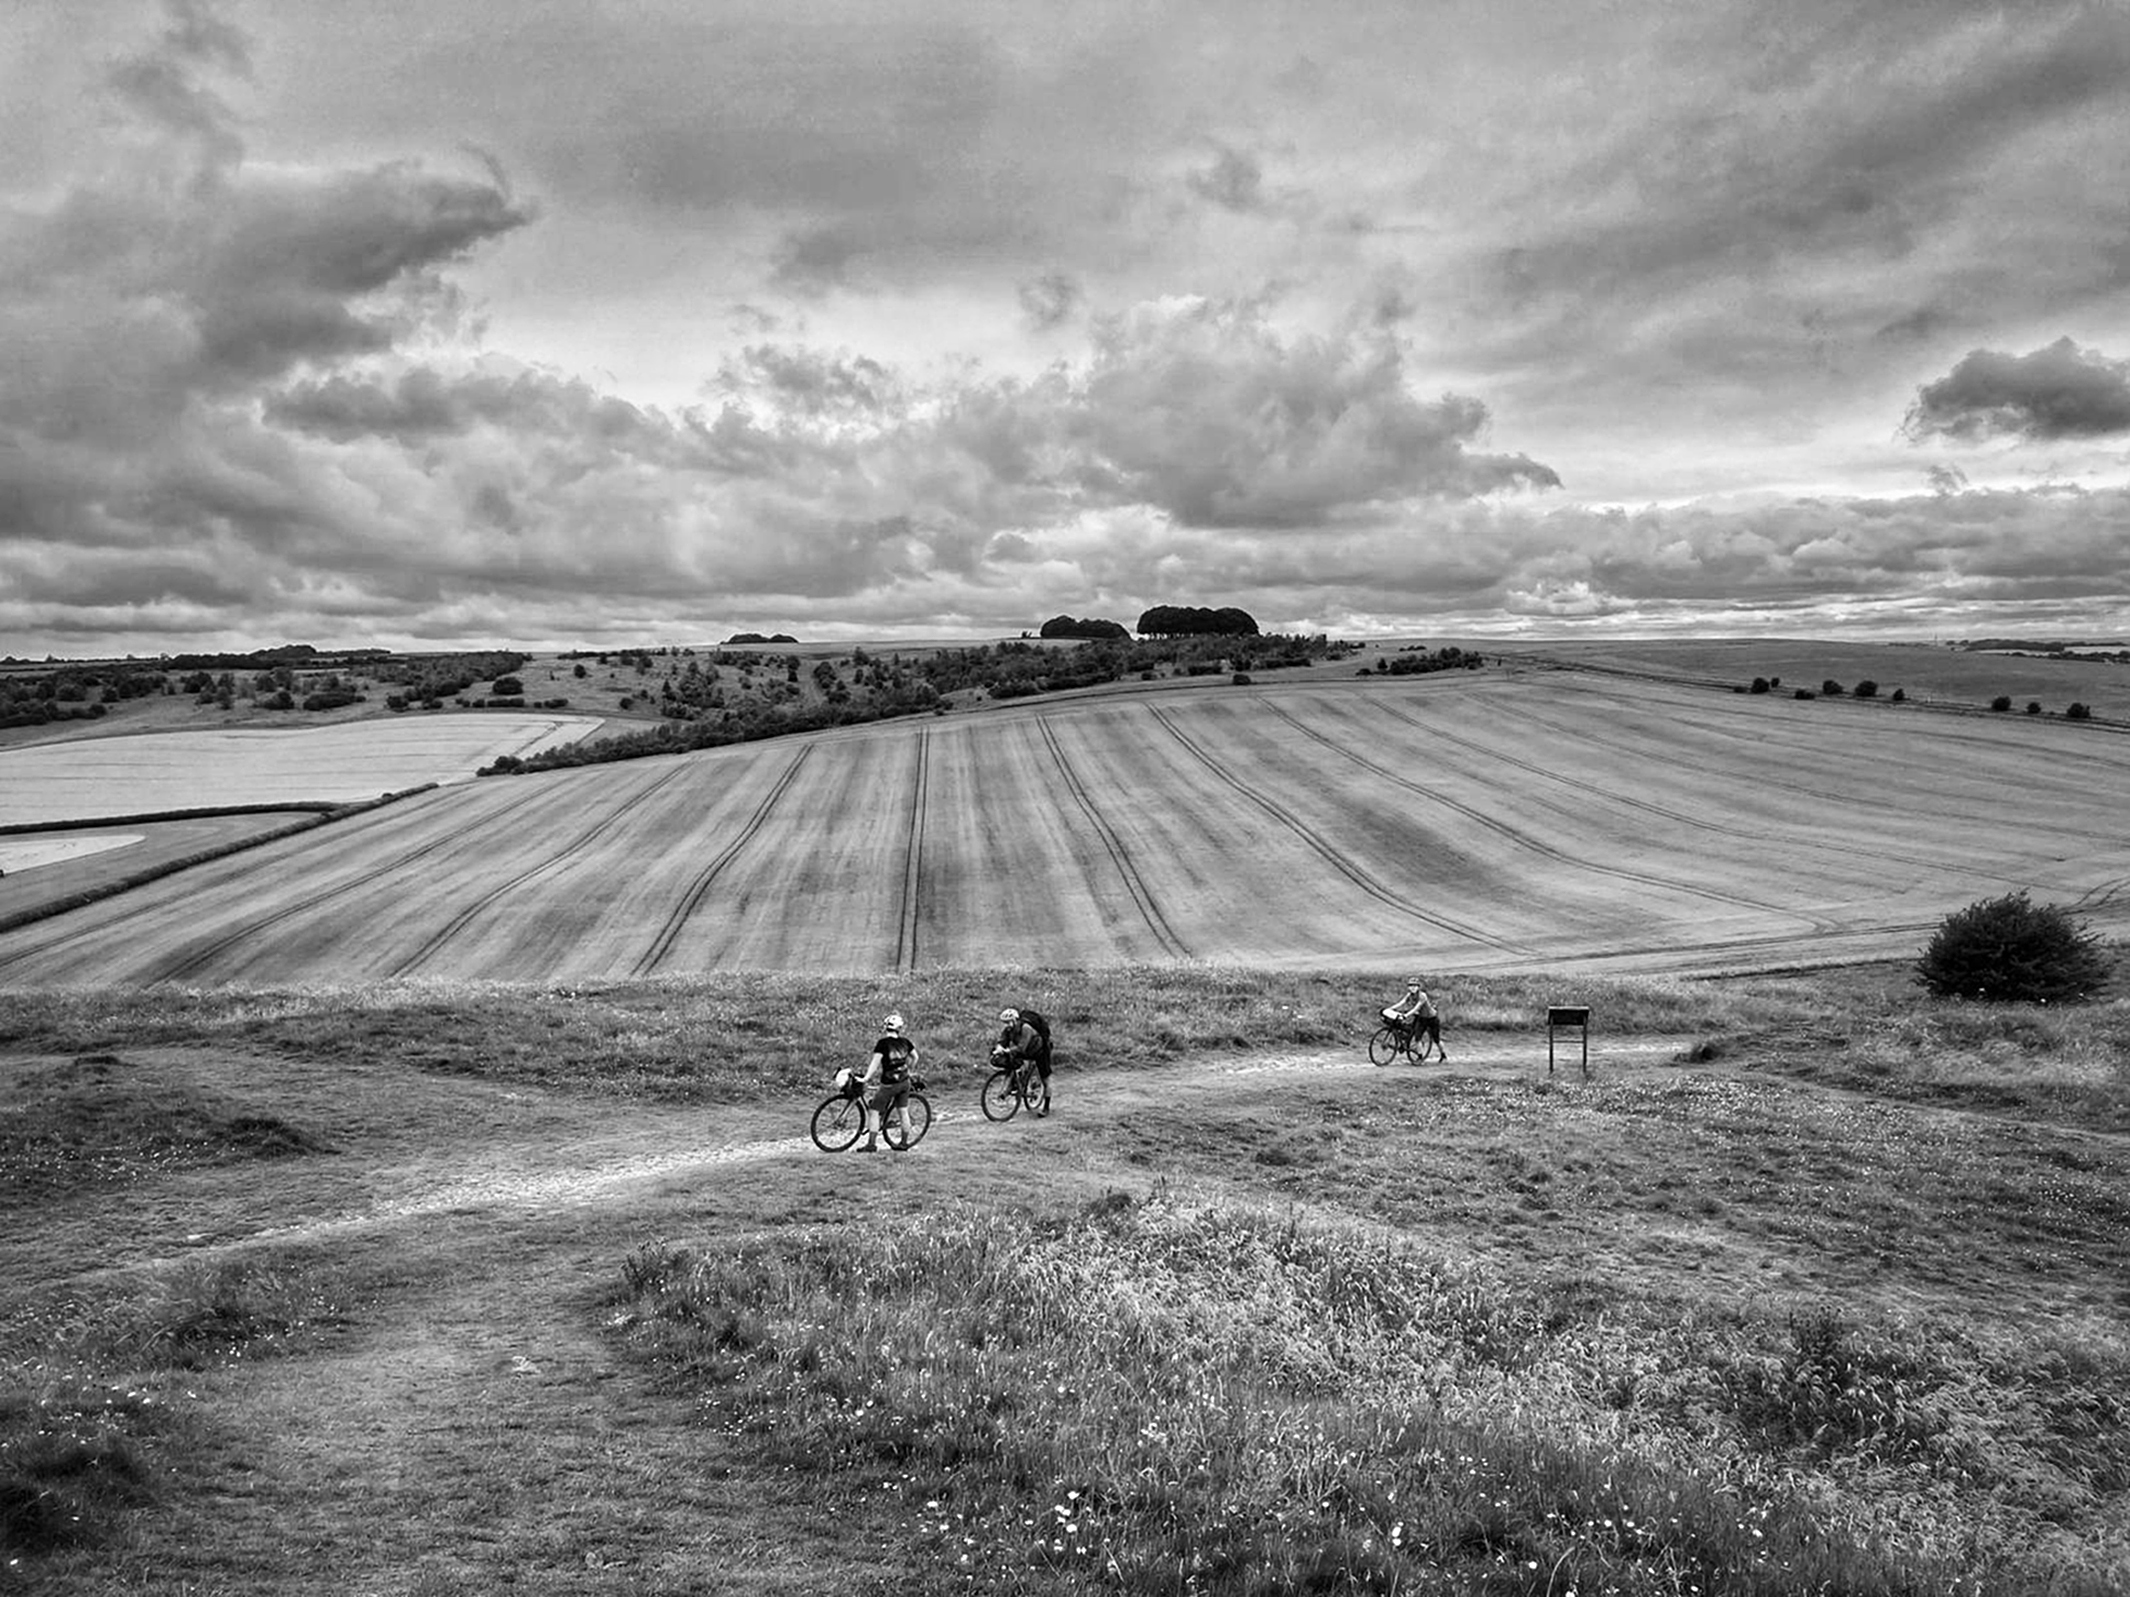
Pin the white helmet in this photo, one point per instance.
(894, 1022)
(1412, 981)
(1009, 1016)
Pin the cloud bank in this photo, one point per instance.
(1280, 346)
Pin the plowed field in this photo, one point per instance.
(1470, 822)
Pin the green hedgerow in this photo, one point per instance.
(2014, 950)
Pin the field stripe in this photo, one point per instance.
(1339, 862)
(1141, 895)
(913, 857)
(606, 822)
(692, 899)
(1524, 839)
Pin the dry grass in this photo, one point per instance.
(1836, 1306)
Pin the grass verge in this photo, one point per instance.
(1165, 1398)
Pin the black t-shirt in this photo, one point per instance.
(894, 1055)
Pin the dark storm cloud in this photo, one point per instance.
(2058, 392)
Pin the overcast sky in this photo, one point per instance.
(445, 322)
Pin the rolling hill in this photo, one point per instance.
(1507, 821)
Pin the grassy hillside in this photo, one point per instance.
(1813, 1286)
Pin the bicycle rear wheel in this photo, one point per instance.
(1387, 1044)
(1002, 1096)
(1033, 1092)
(837, 1123)
(919, 1110)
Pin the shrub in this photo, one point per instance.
(1804, 693)
(2013, 950)
(2078, 712)
(1831, 688)
(1760, 685)
(2002, 701)
(1241, 679)
(1900, 695)
(2033, 706)
(507, 687)
(1867, 689)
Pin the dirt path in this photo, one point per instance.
(575, 1168)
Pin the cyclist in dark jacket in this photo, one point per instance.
(887, 1076)
(1019, 1040)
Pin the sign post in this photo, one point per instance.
(1559, 1016)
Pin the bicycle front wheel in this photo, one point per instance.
(903, 1137)
(1002, 1096)
(837, 1123)
(1385, 1045)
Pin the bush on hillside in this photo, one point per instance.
(2078, 712)
(2002, 701)
(1760, 685)
(1900, 695)
(1867, 689)
(2013, 950)
(1831, 688)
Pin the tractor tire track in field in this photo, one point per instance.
(1721, 828)
(186, 964)
(1819, 840)
(1784, 739)
(1339, 862)
(913, 858)
(1141, 895)
(1524, 839)
(692, 899)
(561, 856)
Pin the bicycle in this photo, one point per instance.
(1010, 1089)
(1409, 1043)
(840, 1119)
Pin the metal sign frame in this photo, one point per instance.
(1560, 1016)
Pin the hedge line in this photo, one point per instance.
(325, 815)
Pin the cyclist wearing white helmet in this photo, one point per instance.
(1023, 1034)
(1416, 1012)
(887, 1075)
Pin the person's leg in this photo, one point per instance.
(1042, 1065)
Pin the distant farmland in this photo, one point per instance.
(82, 778)
(1477, 822)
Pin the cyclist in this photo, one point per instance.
(1021, 1038)
(887, 1078)
(1415, 1014)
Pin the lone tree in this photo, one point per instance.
(2012, 950)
